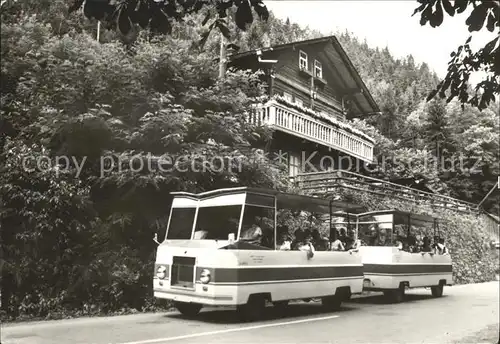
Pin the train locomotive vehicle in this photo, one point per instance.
(208, 258)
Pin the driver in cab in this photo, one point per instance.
(252, 235)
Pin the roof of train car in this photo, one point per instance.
(413, 218)
(290, 200)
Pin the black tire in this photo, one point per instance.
(253, 310)
(188, 309)
(437, 291)
(281, 306)
(331, 303)
(395, 296)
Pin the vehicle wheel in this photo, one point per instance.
(188, 309)
(395, 296)
(437, 291)
(331, 303)
(281, 305)
(252, 310)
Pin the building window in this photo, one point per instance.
(293, 164)
(288, 97)
(299, 102)
(318, 69)
(302, 60)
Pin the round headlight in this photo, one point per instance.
(205, 276)
(161, 272)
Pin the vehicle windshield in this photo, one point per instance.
(181, 223)
(216, 223)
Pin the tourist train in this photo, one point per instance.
(232, 247)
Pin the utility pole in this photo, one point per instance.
(98, 30)
(222, 57)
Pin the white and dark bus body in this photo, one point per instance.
(221, 270)
(392, 270)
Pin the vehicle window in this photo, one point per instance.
(181, 223)
(216, 223)
(255, 218)
(373, 233)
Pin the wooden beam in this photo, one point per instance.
(351, 91)
(332, 65)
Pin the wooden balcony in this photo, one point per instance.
(304, 125)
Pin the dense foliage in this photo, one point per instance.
(158, 15)
(134, 125)
(484, 13)
(137, 121)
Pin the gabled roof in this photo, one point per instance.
(348, 72)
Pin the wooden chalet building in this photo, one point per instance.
(315, 90)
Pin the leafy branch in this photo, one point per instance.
(464, 61)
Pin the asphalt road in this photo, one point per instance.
(462, 311)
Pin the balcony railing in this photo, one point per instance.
(303, 125)
(328, 182)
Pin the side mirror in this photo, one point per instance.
(155, 239)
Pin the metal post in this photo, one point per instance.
(276, 222)
(331, 225)
(357, 228)
(98, 30)
(409, 225)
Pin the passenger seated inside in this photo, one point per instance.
(399, 242)
(343, 235)
(419, 244)
(426, 246)
(337, 245)
(284, 242)
(299, 239)
(372, 241)
(307, 245)
(381, 238)
(441, 248)
(412, 244)
(435, 242)
(252, 235)
(320, 244)
(268, 238)
(352, 244)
